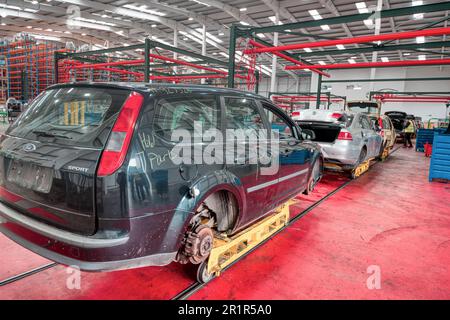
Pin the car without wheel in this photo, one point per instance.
(89, 176)
(347, 139)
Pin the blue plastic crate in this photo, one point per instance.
(424, 136)
(440, 158)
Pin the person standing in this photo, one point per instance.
(408, 132)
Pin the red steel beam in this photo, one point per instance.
(418, 100)
(362, 39)
(373, 64)
(285, 57)
(193, 65)
(107, 64)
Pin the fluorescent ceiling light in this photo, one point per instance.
(340, 47)
(325, 27)
(362, 7)
(221, 33)
(420, 39)
(141, 9)
(223, 54)
(307, 70)
(244, 23)
(422, 57)
(209, 35)
(29, 27)
(273, 19)
(385, 59)
(368, 22)
(197, 1)
(352, 61)
(43, 37)
(307, 49)
(418, 16)
(7, 6)
(322, 62)
(261, 35)
(315, 14)
(95, 21)
(357, 87)
(417, 2)
(190, 19)
(407, 54)
(243, 9)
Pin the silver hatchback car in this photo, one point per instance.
(346, 138)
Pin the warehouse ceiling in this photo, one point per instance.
(117, 23)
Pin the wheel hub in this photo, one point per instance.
(199, 244)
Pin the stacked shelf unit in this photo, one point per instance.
(3, 81)
(29, 66)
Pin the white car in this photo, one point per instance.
(346, 138)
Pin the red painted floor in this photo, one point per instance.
(391, 217)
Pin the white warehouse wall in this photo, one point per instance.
(424, 110)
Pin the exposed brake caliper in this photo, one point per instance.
(199, 239)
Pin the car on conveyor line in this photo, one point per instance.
(398, 119)
(381, 123)
(89, 176)
(347, 139)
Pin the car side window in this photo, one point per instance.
(186, 113)
(242, 113)
(278, 124)
(365, 124)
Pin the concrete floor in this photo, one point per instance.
(389, 227)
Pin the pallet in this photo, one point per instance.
(227, 250)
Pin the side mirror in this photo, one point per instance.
(308, 134)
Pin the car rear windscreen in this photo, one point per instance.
(364, 107)
(80, 116)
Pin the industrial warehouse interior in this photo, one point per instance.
(266, 150)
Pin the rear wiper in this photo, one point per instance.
(49, 134)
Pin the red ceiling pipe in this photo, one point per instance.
(180, 77)
(193, 65)
(419, 100)
(363, 39)
(374, 64)
(106, 64)
(121, 71)
(285, 57)
(382, 97)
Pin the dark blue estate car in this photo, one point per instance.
(89, 177)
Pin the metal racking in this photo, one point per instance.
(151, 61)
(286, 52)
(29, 66)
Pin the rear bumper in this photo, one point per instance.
(86, 253)
(341, 152)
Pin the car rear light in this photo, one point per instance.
(345, 135)
(295, 113)
(117, 147)
(336, 115)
